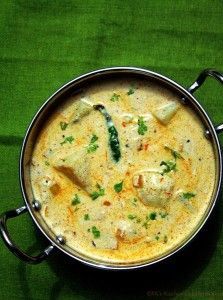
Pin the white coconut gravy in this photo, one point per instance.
(127, 180)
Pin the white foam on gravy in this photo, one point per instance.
(144, 203)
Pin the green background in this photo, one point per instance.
(44, 44)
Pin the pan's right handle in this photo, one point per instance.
(200, 80)
(219, 128)
(10, 244)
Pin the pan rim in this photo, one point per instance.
(104, 72)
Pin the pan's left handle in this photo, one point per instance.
(200, 80)
(11, 245)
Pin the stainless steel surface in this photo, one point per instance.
(219, 128)
(60, 239)
(73, 87)
(10, 244)
(200, 80)
(36, 205)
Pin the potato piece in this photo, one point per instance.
(84, 170)
(82, 108)
(129, 232)
(106, 241)
(165, 113)
(75, 167)
(156, 189)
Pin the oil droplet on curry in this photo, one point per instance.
(123, 171)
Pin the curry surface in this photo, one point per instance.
(144, 204)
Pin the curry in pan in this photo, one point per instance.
(123, 171)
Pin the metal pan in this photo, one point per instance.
(33, 206)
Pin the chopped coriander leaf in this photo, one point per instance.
(165, 239)
(157, 237)
(76, 200)
(131, 91)
(175, 153)
(134, 200)
(131, 217)
(187, 196)
(151, 216)
(94, 138)
(47, 163)
(142, 127)
(63, 125)
(115, 97)
(118, 187)
(92, 148)
(163, 214)
(68, 139)
(86, 217)
(94, 195)
(96, 232)
(98, 193)
(169, 166)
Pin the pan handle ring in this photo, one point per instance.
(200, 80)
(11, 245)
